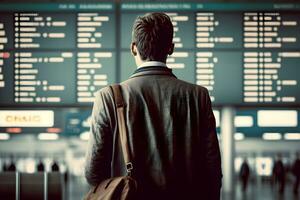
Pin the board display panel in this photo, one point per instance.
(55, 54)
(244, 54)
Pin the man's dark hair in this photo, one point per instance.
(153, 36)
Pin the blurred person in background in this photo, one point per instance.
(244, 174)
(11, 166)
(279, 173)
(54, 167)
(40, 166)
(296, 172)
(4, 166)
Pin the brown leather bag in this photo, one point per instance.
(123, 187)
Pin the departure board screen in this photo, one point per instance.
(56, 54)
(245, 54)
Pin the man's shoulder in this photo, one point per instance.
(192, 85)
(103, 93)
(191, 88)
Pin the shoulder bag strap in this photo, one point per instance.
(119, 103)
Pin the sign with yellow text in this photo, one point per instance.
(26, 118)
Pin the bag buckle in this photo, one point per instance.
(129, 167)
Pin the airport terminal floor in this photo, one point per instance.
(255, 191)
(261, 192)
(63, 160)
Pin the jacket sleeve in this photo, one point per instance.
(212, 152)
(99, 149)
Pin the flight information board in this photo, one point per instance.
(244, 54)
(60, 54)
(57, 54)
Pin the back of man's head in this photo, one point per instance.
(153, 36)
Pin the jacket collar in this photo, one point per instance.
(152, 64)
(153, 70)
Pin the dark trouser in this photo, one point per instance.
(244, 183)
(296, 184)
(281, 183)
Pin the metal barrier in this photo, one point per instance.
(8, 188)
(37, 186)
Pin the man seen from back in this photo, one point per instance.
(170, 124)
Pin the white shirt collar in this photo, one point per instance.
(152, 63)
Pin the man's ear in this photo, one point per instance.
(133, 48)
(171, 50)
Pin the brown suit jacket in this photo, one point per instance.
(172, 137)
